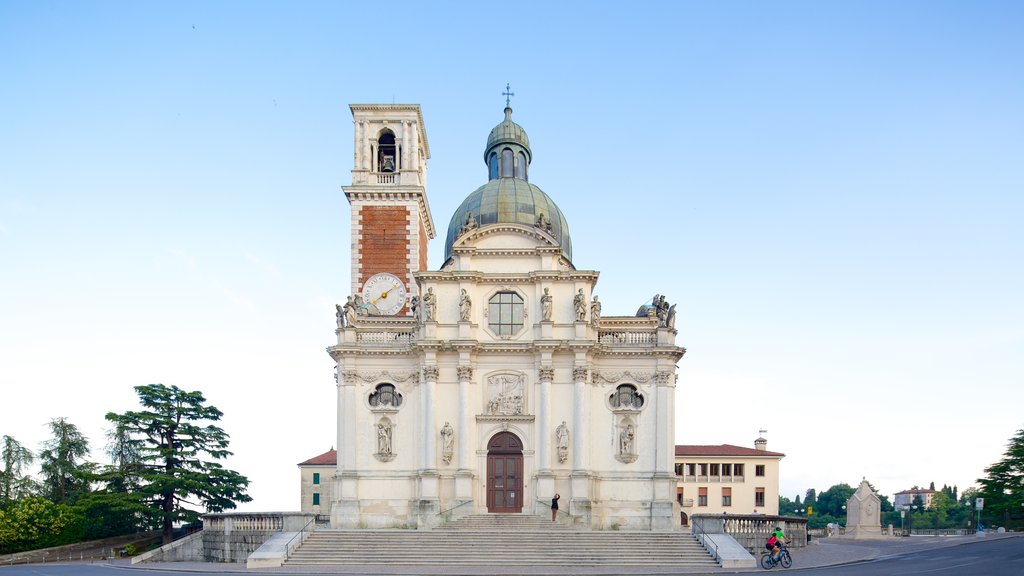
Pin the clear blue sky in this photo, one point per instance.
(832, 192)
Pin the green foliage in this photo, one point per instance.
(810, 499)
(34, 522)
(832, 501)
(14, 483)
(939, 508)
(64, 477)
(170, 437)
(1003, 485)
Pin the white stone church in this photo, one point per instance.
(495, 382)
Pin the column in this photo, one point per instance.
(346, 422)
(360, 145)
(339, 466)
(430, 374)
(579, 376)
(462, 433)
(666, 448)
(544, 434)
(414, 149)
(405, 146)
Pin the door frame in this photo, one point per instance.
(505, 448)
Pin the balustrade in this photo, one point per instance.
(627, 338)
(386, 338)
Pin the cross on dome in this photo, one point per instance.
(508, 93)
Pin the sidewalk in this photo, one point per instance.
(821, 552)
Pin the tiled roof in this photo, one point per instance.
(329, 458)
(917, 491)
(721, 450)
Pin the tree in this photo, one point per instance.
(810, 499)
(1003, 486)
(172, 443)
(833, 501)
(34, 522)
(14, 484)
(939, 508)
(64, 477)
(117, 507)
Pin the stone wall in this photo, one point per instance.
(232, 537)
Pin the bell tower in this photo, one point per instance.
(391, 221)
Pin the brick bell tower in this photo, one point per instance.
(391, 221)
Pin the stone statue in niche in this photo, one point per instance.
(447, 443)
(506, 394)
(384, 438)
(626, 435)
(579, 302)
(545, 305)
(595, 313)
(562, 442)
(465, 306)
(429, 306)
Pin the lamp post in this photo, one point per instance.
(903, 513)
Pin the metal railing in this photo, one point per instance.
(697, 529)
(288, 545)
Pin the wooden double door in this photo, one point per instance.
(505, 473)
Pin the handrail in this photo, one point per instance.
(701, 534)
(301, 531)
(443, 512)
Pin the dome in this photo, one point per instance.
(510, 201)
(508, 132)
(508, 197)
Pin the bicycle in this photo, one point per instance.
(767, 562)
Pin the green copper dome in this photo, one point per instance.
(508, 132)
(508, 197)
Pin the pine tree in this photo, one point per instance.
(172, 434)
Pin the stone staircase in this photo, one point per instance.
(501, 540)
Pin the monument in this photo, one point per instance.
(863, 513)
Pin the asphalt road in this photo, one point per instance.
(1003, 557)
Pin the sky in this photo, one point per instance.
(831, 192)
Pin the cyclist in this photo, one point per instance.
(775, 542)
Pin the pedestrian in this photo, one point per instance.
(554, 507)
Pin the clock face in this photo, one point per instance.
(383, 295)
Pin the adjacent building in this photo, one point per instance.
(727, 479)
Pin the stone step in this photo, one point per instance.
(458, 546)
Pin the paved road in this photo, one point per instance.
(936, 556)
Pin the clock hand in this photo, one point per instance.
(384, 294)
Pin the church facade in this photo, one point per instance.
(495, 382)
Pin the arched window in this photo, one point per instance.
(387, 152)
(492, 166)
(521, 166)
(385, 395)
(506, 163)
(505, 313)
(626, 396)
